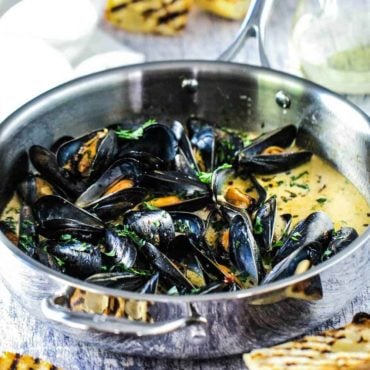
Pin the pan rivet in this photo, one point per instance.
(282, 99)
(190, 84)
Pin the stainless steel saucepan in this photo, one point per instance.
(233, 95)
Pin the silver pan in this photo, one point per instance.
(239, 96)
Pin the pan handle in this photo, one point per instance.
(106, 324)
(252, 26)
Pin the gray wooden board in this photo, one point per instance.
(205, 38)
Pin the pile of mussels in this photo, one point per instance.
(155, 209)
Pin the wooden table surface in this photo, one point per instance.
(205, 38)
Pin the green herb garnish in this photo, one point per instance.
(321, 200)
(294, 178)
(258, 227)
(135, 134)
(150, 207)
(206, 177)
(126, 232)
(295, 236)
(112, 253)
(277, 244)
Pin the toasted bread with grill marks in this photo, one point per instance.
(347, 348)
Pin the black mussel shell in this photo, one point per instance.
(281, 137)
(264, 224)
(237, 190)
(189, 224)
(46, 163)
(33, 187)
(203, 140)
(185, 147)
(173, 182)
(181, 251)
(151, 286)
(147, 160)
(89, 155)
(157, 140)
(297, 262)
(78, 259)
(28, 236)
(61, 141)
(119, 280)
(165, 266)
(155, 226)
(273, 163)
(57, 216)
(49, 260)
(110, 207)
(228, 144)
(122, 250)
(339, 241)
(244, 251)
(112, 181)
(317, 227)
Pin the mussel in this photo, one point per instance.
(317, 227)
(89, 155)
(56, 216)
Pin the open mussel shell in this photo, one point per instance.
(340, 240)
(77, 258)
(157, 140)
(110, 207)
(119, 280)
(148, 161)
(89, 155)
(173, 182)
(57, 216)
(243, 248)
(237, 190)
(272, 163)
(28, 236)
(264, 224)
(297, 262)
(185, 147)
(203, 140)
(181, 251)
(61, 141)
(165, 266)
(121, 175)
(121, 250)
(317, 227)
(33, 187)
(228, 144)
(188, 224)
(151, 286)
(216, 234)
(281, 137)
(46, 163)
(48, 260)
(154, 226)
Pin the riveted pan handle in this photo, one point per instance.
(252, 26)
(106, 324)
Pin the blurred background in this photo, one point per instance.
(46, 42)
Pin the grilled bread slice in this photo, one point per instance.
(347, 348)
(15, 361)
(233, 9)
(165, 17)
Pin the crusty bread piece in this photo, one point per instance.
(165, 17)
(15, 361)
(233, 9)
(347, 348)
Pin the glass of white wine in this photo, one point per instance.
(331, 39)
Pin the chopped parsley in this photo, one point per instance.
(112, 253)
(126, 232)
(258, 227)
(277, 244)
(150, 207)
(296, 236)
(59, 261)
(294, 178)
(66, 237)
(135, 134)
(321, 200)
(206, 177)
